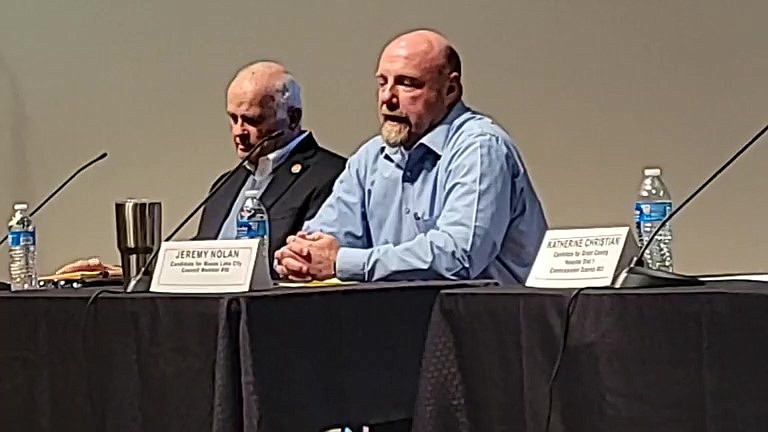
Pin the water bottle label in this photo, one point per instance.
(652, 212)
(21, 238)
(251, 229)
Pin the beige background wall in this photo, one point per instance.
(591, 90)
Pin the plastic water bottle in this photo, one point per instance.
(21, 249)
(653, 204)
(252, 219)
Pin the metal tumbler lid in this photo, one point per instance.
(136, 201)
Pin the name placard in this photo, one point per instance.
(577, 258)
(211, 266)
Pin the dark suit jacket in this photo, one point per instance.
(290, 198)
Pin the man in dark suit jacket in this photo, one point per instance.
(298, 187)
(293, 174)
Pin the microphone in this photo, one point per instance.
(637, 276)
(134, 284)
(62, 186)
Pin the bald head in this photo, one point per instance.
(431, 46)
(419, 76)
(263, 98)
(270, 81)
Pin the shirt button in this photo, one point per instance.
(408, 174)
(407, 210)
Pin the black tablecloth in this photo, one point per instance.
(656, 360)
(282, 360)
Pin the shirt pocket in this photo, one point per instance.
(424, 223)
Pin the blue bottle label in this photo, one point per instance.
(21, 238)
(652, 212)
(248, 229)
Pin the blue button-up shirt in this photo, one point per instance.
(458, 205)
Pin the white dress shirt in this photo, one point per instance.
(262, 175)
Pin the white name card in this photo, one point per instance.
(211, 266)
(577, 258)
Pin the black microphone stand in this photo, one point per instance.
(62, 186)
(141, 281)
(4, 286)
(638, 276)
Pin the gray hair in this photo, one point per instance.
(283, 84)
(288, 94)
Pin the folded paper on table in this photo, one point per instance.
(759, 277)
(315, 283)
(81, 279)
(76, 275)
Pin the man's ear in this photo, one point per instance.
(294, 118)
(453, 89)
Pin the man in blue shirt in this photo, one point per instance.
(441, 193)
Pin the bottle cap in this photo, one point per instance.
(20, 206)
(652, 172)
(251, 194)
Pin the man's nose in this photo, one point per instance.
(238, 129)
(389, 96)
(392, 105)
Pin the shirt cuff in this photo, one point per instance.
(350, 263)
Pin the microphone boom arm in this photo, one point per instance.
(133, 283)
(62, 186)
(700, 189)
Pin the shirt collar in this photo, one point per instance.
(268, 163)
(435, 138)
